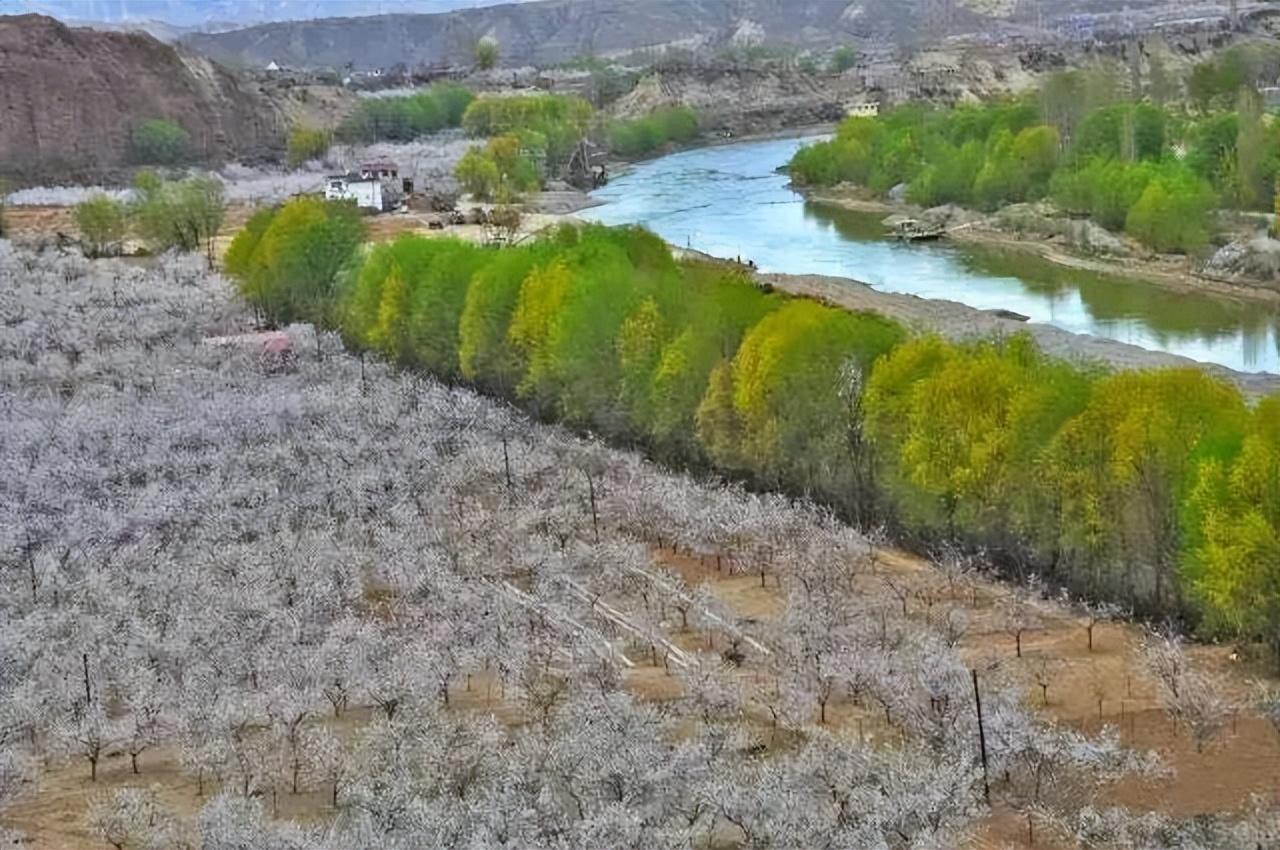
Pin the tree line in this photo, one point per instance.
(405, 118)
(1154, 489)
(642, 136)
(1154, 170)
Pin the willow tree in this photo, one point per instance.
(1121, 469)
(1232, 559)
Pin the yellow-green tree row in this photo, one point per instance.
(1157, 489)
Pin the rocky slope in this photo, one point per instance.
(69, 99)
(557, 30)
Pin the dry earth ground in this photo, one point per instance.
(1243, 762)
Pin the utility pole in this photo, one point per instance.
(982, 737)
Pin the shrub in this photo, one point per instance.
(406, 118)
(157, 141)
(843, 58)
(1172, 214)
(486, 53)
(103, 223)
(306, 144)
(181, 214)
(642, 136)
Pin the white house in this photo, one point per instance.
(373, 186)
(365, 191)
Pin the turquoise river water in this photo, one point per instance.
(730, 201)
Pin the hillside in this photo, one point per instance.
(557, 30)
(71, 97)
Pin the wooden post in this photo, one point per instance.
(506, 461)
(88, 692)
(982, 737)
(595, 518)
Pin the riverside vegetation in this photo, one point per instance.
(529, 137)
(1152, 169)
(1154, 489)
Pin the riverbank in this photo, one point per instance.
(618, 166)
(1176, 273)
(958, 321)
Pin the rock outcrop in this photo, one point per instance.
(741, 100)
(1256, 259)
(70, 99)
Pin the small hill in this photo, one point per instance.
(70, 98)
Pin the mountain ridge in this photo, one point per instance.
(553, 31)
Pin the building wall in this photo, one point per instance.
(366, 193)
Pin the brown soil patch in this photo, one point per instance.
(1245, 761)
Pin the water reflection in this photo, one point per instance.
(730, 201)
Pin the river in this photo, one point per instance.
(730, 201)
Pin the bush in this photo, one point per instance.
(306, 144)
(157, 141)
(1172, 214)
(843, 58)
(103, 223)
(406, 118)
(182, 214)
(642, 136)
(486, 52)
(501, 170)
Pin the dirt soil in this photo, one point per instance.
(72, 97)
(1089, 689)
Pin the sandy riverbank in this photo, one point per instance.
(1170, 272)
(960, 321)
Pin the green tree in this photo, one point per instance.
(485, 357)
(184, 215)
(1253, 190)
(1120, 470)
(787, 379)
(478, 173)
(486, 53)
(1172, 214)
(406, 117)
(287, 260)
(503, 169)
(1232, 560)
(103, 223)
(719, 427)
(158, 141)
(306, 144)
(843, 58)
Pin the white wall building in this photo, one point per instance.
(365, 191)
